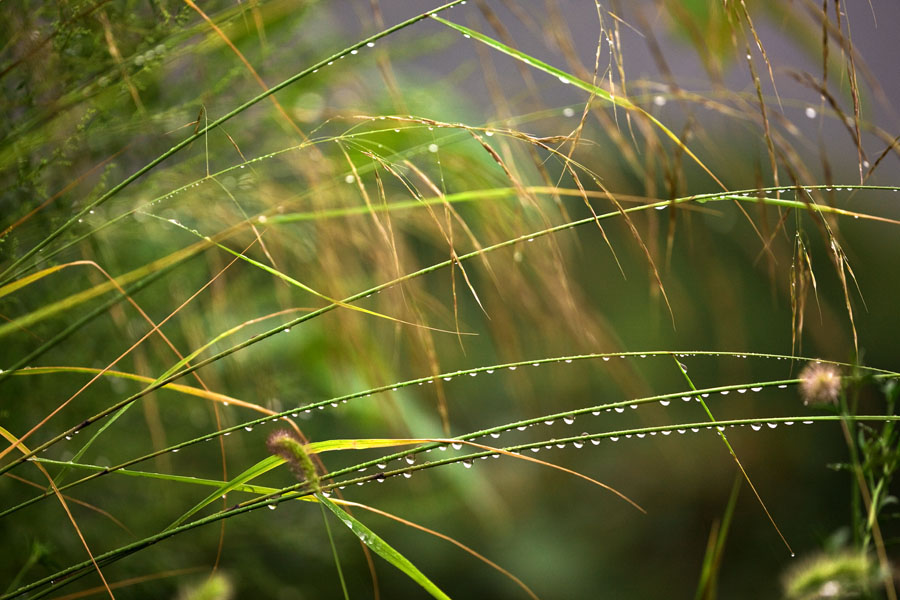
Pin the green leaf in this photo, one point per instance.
(382, 548)
(263, 466)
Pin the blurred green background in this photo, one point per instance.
(93, 91)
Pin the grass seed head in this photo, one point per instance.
(820, 383)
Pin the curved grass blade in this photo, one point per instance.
(267, 464)
(382, 548)
(584, 85)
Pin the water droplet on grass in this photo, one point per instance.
(664, 402)
(568, 420)
(755, 426)
(248, 428)
(456, 445)
(620, 409)
(810, 112)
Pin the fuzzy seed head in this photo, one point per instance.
(820, 383)
(284, 443)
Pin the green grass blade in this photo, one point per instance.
(263, 466)
(382, 548)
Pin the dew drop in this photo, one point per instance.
(489, 133)
(68, 437)
(788, 423)
(495, 435)
(522, 427)
(490, 371)
(568, 420)
(563, 79)
(248, 428)
(410, 459)
(782, 386)
(641, 435)
(456, 445)
(755, 426)
(807, 422)
(666, 432)
(664, 402)
(772, 425)
(659, 100)
(535, 450)
(447, 378)
(810, 112)
(407, 475)
(472, 374)
(568, 360)
(595, 441)
(379, 478)
(370, 45)
(620, 409)
(272, 507)
(349, 179)
(686, 398)
(381, 466)
(695, 429)
(596, 413)
(724, 392)
(512, 368)
(742, 391)
(605, 358)
(433, 148)
(614, 439)
(633, 406)
(549, 422)
(568, 112)
(578, 444)
(756, 389)
(681, 431)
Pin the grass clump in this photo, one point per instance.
(264, 255)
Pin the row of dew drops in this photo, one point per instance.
(407, 458)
